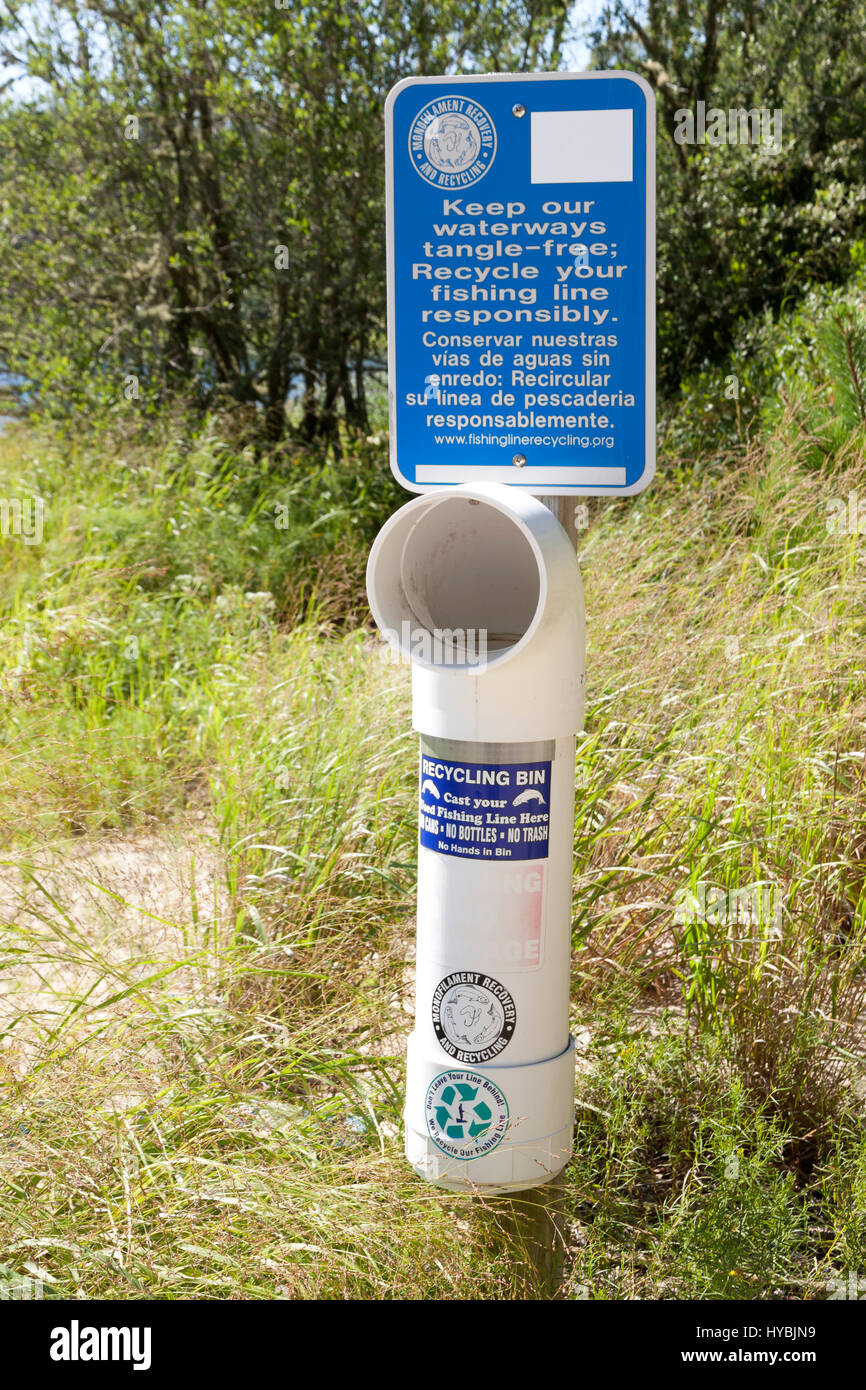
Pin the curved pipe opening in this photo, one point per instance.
(456, 582)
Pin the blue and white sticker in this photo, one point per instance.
(452, 142)
(485, 810)
(466, 1113)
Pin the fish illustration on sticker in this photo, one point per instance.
(531, 794)
(431, 787)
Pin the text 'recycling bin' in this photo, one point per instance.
(479, 587)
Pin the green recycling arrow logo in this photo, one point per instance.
(467, 1114)
(471, 1116)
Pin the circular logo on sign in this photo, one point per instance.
(452, 142)
(474, 1016)
(467, 1114)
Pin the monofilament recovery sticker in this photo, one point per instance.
(467, 1114)
(474, 1016)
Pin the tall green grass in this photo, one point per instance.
(216, 1112)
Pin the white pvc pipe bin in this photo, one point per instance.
(478, 586)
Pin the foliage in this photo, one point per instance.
(223, 1108)
(193, 195)
(796, 367)
(748, 226)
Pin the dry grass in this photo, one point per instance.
(204, 1088)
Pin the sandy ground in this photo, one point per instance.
(94, 916)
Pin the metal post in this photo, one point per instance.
(564, 509)
(533, 1228)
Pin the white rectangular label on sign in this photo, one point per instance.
(582, 147)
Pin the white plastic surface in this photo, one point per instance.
(487, 558)
(490, 1076)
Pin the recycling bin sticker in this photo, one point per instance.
(485, 810)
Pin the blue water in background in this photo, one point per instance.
(11, 381)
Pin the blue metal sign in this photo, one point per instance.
(521, 281)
